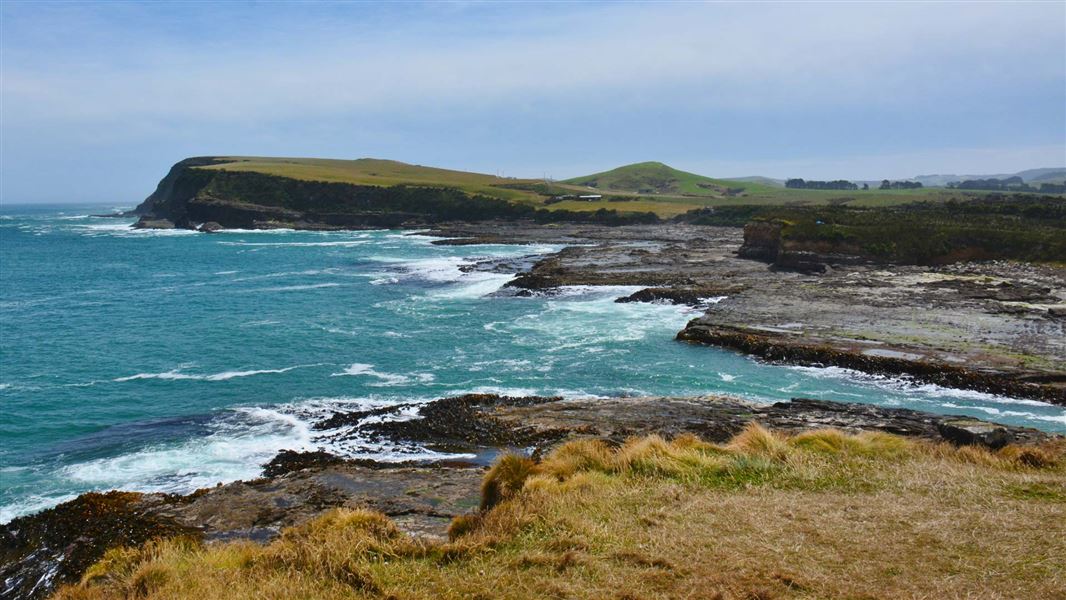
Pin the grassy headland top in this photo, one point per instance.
(377, 172)
(640, 187)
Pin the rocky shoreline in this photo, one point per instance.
(41, 551)
(995, 326)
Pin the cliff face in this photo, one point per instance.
(174, 191)
(189, 197)
(766, 241)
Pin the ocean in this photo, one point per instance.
(173, 360)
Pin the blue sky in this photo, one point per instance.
(100, 99)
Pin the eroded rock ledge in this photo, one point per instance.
(916, 363)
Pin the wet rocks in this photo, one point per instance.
(288, 461)
(688, 295)
(460, 424)
(210, 227)
(42, 551)
(501, 265)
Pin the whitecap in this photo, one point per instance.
(296, 288)
(386, 379)
(338, 243)
(177, 374)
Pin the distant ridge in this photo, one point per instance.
(1045, 175)
(770, 181)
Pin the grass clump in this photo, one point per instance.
(763, 516)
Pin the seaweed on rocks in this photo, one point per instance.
(42, 551)
(462, 423)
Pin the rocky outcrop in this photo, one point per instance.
(971, 432)
(788, 347)
(767, 241)
(630, 267)
(762, 240)
(460, 424)
(146, 223)
(694, 296)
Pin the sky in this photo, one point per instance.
(97, 100)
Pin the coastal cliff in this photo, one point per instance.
(215, 191)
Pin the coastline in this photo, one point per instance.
(673, 263)
(994, 327)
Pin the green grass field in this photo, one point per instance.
(641, 187)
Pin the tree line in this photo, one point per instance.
(1012, 184)
(839, 184)
(843, 184)
(900, 185)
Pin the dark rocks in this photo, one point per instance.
(971, 432)
(149, 223)
(288, 461)
(459, 424)
(53, 547)
(501, 265)
(688, 295)
(210, 227)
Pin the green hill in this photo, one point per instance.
(655, 178)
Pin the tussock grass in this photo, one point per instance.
(822, 514)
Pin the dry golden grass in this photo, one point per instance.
(817, 515)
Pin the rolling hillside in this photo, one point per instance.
(655, 178)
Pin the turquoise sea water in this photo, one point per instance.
(171, 360)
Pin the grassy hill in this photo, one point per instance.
(655, 178)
